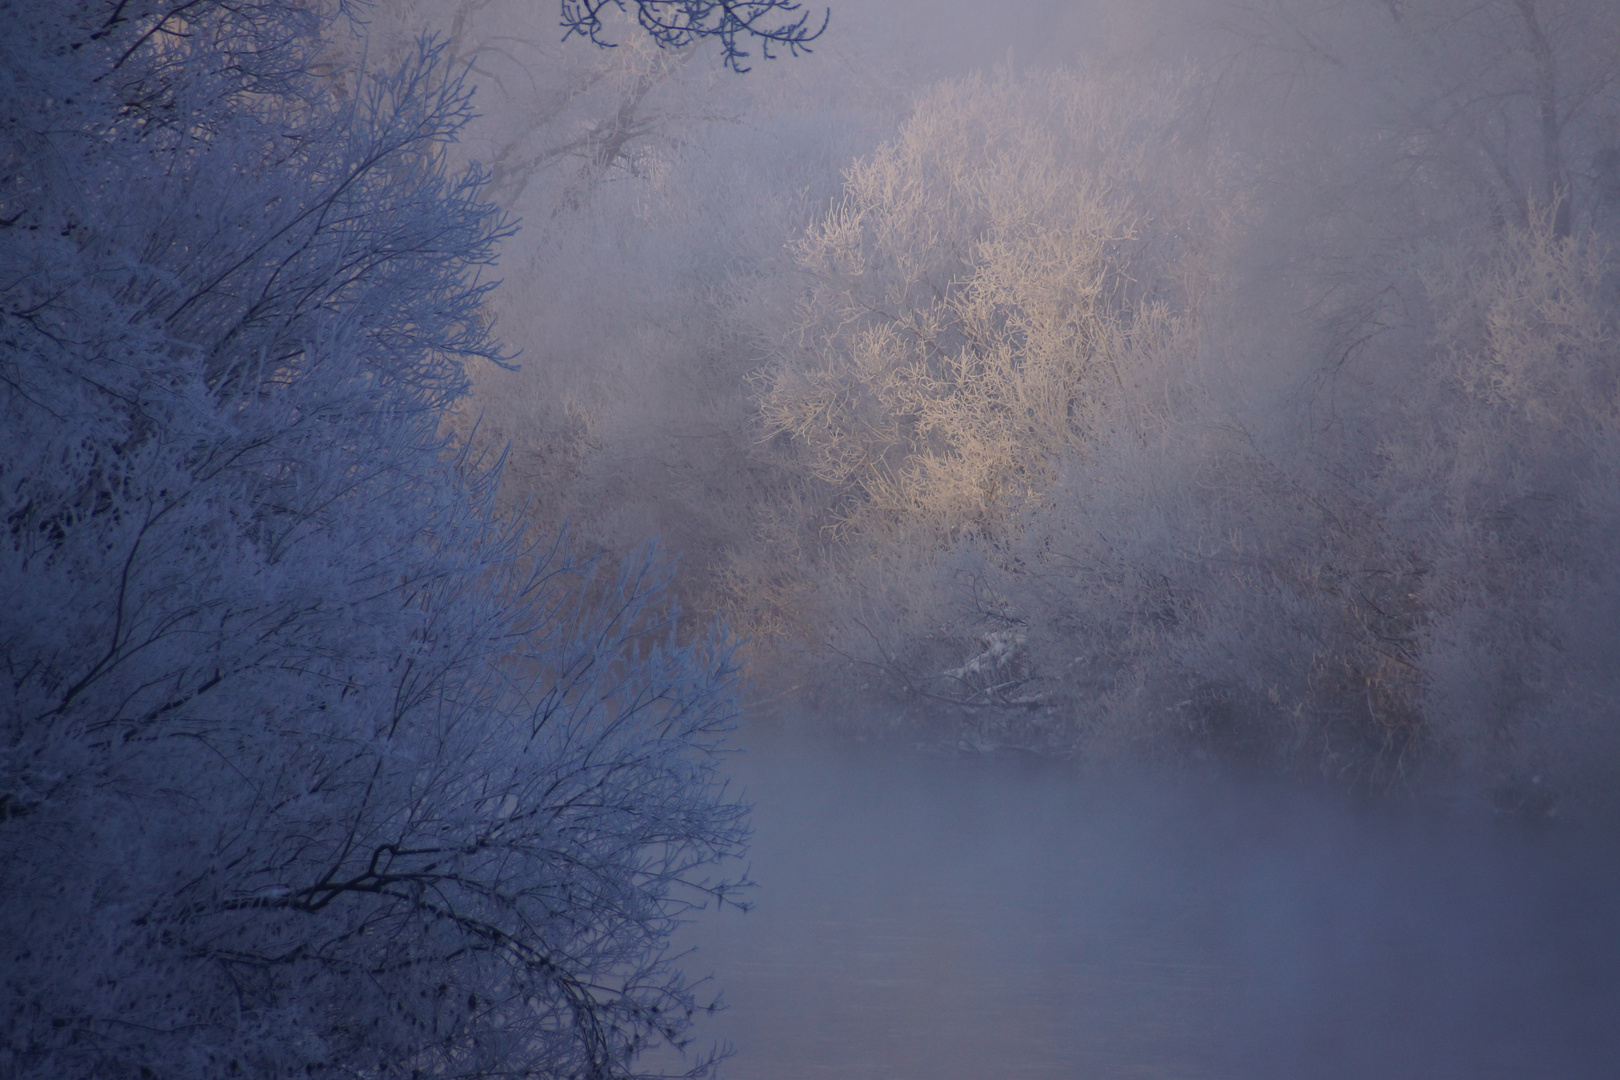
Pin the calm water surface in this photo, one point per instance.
(945, 919)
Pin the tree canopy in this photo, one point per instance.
(313, 761)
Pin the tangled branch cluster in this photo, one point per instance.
(774, 24)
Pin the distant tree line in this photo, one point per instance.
(1067, 464)
(1246, 397)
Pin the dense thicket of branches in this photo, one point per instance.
(311, 762)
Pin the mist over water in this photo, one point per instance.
(942, 918)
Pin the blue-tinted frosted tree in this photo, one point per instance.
(311, 762)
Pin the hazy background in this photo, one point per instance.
(1102, 379)
(1216, 389)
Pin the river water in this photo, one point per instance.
(950, 919)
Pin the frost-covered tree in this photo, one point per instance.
(1503, 470)
(976, 301)
(311, 762)
(997, 289)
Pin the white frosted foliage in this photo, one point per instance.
(311, 761)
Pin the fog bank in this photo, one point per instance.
(948, 918)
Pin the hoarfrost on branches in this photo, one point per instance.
(311, 760)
